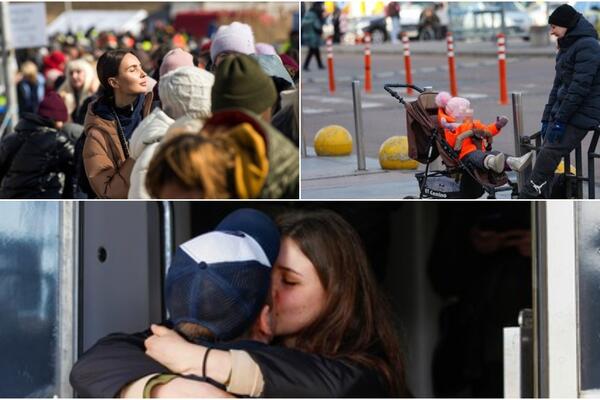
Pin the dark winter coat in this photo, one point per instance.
(312, 29)
(35, 160)
(575, 95)
(107, 164)
(119, 359)
(30, 96)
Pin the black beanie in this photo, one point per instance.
(565, 16)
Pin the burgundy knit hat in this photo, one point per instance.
(53, 108)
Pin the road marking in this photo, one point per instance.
(472, 96)
(366, 104)
(385, 74)
(306, 110)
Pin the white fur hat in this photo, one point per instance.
(186, 91)
(237, 37)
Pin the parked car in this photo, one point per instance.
(483, 19)
(380, 27)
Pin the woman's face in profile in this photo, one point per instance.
(298, 294)
(131, 78)
(558, 31)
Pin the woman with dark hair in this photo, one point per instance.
(334, 334)
(125, 100)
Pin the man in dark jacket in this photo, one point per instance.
(36, 158)
(573, 107)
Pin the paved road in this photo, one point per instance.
(384, 117)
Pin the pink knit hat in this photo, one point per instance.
(174, 59)
(454, 106)
(236, 37)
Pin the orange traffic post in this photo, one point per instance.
(406, 47)
(368, 63)
(330, 65)
(502, 68)
(451, 65)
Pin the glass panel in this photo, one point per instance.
(29, 273)
(588, 255)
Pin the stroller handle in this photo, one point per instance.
(388, 87)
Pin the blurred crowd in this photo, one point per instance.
(161, 115)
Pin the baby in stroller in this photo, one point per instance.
(471, 138)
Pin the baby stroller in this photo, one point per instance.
(426, 142)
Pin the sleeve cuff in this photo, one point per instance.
(246, 377)
(155, 381)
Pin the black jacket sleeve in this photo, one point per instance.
(111, 364)
(293, 373)
(9, 146)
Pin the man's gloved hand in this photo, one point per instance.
(556, 130)
(544, 128)
(501, 122)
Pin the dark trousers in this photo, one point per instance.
(548, 159)
(476, 158)
(313, 51)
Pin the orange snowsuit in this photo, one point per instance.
(467, 145)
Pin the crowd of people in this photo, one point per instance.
(155, 116)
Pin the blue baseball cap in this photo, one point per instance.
(221, 279)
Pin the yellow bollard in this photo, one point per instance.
(333, 140)
(393, 154)
(561, 168)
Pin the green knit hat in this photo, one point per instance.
(241, 83)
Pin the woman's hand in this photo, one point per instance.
(187, 388)
(174, 352)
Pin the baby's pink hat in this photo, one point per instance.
(452, 105)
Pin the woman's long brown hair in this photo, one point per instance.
(357, 321)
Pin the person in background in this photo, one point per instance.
(185, 91)
(81, 82)
(31, 89)
(312, 29)
(37, 157)
(236, 38)
(392, 11)
(55, 60)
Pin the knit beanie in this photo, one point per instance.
(265, 48)
(236, 37)
(53, 108)
(241, 83)
(174, 59)
(289, 63)
(186, 91)
(564, 16)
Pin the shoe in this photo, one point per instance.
(321, 67)
(495, 162)
(519, 163)
(306, 69)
